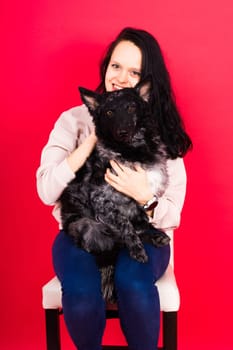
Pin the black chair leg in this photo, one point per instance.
(115, 347)
(52, 329)
(170, 330)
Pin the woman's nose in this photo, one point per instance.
(123, 76)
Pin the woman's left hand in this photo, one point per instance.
(131, 182)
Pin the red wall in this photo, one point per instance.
(48, 48)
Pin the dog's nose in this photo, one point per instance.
(122, 134)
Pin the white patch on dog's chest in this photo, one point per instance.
(157, 178)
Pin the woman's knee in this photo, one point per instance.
(138, 279)
(134, 281)
(80, 297)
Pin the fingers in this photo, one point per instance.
(110, 177)
(120, 169)
(117, 167)
(117, 176)
(131, 182)
(139, 169)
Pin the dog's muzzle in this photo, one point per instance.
(123, 135)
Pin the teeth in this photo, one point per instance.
(118, 87)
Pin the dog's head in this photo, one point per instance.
(122, 119)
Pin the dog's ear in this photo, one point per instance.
(89, 98)
(144, 89)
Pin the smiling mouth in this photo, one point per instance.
(116, 87)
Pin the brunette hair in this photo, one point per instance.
(164, 108)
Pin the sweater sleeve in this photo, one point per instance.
(167, 213)
(54, 173)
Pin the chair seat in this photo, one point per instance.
(167, 287)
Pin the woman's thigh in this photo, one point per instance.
(128, 270)
(74, 267)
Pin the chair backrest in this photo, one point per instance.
(170, 234)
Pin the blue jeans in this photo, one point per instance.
(84, 307)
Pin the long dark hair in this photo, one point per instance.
(170, 123)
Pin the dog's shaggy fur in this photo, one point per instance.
(98, 217)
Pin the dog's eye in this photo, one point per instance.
(109, 113)
(131, 109)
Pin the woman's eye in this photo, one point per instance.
(136, 73)
(115, 66)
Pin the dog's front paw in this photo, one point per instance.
(160, 239)
(156, 237)
(139, 255)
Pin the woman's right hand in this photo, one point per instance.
(78, 157)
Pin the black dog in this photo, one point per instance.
(98, 217)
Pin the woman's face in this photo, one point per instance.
(124, 68)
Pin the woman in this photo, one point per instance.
(131, 57)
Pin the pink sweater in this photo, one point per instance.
(54, 173)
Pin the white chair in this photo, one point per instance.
(169, 305)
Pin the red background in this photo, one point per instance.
(50, 47)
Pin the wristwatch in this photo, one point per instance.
(151, 203)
